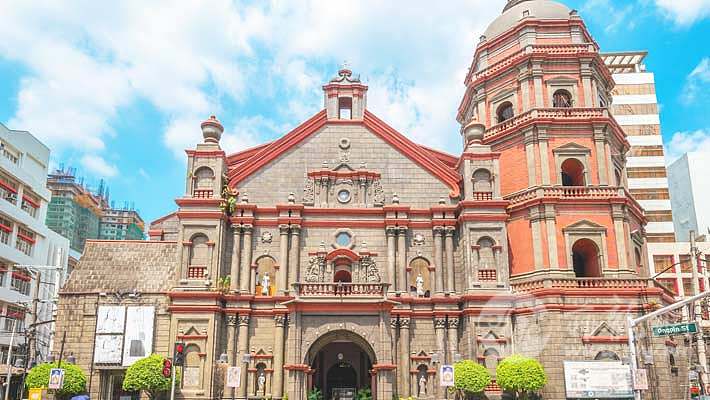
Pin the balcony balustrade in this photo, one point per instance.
(202, 193)
(566, 193)
(527, 286)
(557, 114)
(326, 289)
(482, 196)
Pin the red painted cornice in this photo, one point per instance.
(190, 201)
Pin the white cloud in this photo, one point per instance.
(249, 132)
(683, 142)
(87, 60)
(97, 166)
(606, 12)
(684, 12)
(697, 82)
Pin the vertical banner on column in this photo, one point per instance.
(447, 375)
(234, 375)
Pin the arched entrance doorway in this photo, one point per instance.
(341, 361)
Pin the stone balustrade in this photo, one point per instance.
(202, 193)
(527, 286)
(566, 192)
(340, 289)
(557, 114)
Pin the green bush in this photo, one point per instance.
(74, 378)
(364, 394)
(522, 376)
(315, 394)
(470, 378)
(147, 374)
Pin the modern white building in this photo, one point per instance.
(28, 249)
(690, 192)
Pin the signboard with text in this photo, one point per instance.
(676, 329)
(447, 375)
(597, 380)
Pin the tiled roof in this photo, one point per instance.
(117, 266)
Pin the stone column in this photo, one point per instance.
(402, 259)
(453, 342)
(619, 231)
(404, 356)
(551, 224)
(391, 277)
(294, 257)
(283, 259)
(529, 142)
(231, 348)
(449, 245)
(440, 330)
(599, 141)
(236, 255)
(246, 279)
(243, 346)
(277, 385)
(476, 255)
(439, 259)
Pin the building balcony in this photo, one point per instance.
(556, 115)
(586, 284)
(333, 289)
(566, 193)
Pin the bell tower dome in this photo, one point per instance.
(345, 97)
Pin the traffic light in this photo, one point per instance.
(167, 368)
(179, 354)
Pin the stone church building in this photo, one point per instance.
(344, 256)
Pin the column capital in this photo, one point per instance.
(243, 319)
(439, 323)
(231, 320)
(280, 320)
(236, 228)
(394, 323)
(450, 230)
(295, 229)
(402, 230)
(453, 323)
(283, 229)
(439, 230)
(248, 229)
(404, 322)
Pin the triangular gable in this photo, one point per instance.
(409, 149)
(604, 330)
(584, 226)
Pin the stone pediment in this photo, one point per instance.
(571, 148)
(585, 226)
(604, 330)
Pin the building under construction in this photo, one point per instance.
(78, 213)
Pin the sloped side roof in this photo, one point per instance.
(113, 266)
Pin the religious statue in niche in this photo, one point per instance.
(265, 282)
(420, 286)
(261, 382)
(422, 386)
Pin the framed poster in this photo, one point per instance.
(138, 337)
(56, 378)
(110, 319)
(108, 349)
(233, 376)
(447, 375)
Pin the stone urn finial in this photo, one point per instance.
(473, 132)
(395, 198)
(291, 198)
(212, 130)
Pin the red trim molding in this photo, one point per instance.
(586, 339)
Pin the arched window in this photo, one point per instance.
(505, 112)
(265, 276)
(486, 259)
(562, 99)
(204, 178)
(490, 360)
(572, 172)
(199, 257)
(606, 356)
(419, 267)
(482, 181)
(585, 259)
(345, 107)
(193, 367)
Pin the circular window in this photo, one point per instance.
(344, 196)
(343, 239)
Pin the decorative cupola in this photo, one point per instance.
(345, 96)
(206, 163)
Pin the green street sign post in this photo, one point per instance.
(676, 329)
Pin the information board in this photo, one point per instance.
(597, 379)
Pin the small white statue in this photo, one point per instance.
(420, 285)
(261, 381)
(265, 281)
(422, 386)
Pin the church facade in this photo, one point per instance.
(344, 256)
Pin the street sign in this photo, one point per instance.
(56, 378)
(675, 329)
(447, 375)
(234, 374)
(640, 379)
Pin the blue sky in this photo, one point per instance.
(119, 90)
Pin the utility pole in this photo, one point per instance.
(697, 313)
(9, 359)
